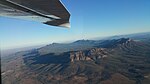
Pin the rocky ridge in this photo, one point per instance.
(88, 55)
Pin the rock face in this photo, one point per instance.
(97, 53)
(80, 55)
(92, 54)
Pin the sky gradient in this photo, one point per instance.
(89, 19)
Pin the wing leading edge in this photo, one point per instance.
(50, 12)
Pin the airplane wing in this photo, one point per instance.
(50, 12)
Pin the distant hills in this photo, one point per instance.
(85, 44)
(8, 52)
(136, 36)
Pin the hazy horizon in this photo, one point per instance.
(26, 47)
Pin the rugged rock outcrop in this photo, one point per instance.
(97, 53)
(92, 54)
(80, 55)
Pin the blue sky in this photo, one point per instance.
(89, 19)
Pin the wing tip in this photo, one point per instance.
(60, 23)
(66, 25)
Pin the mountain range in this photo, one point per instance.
(108, 61)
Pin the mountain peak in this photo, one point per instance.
(115, 42)
(123, 40)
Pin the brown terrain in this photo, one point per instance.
(121, 61)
